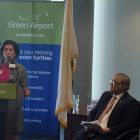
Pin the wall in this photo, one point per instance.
(83, 22)
(116, 44)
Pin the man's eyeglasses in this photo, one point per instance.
(115, 82)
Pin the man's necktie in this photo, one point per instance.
(107, 108)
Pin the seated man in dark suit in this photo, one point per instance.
(123, 115)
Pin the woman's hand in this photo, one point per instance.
(26, 92)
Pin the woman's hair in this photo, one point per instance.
(10, 42)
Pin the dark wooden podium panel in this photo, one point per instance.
(7, 118)
(74, 125)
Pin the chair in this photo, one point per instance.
(133, 134)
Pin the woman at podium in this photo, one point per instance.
(11, 114)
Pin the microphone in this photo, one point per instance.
(13, 72)
(12, 64)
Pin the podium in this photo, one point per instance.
(8, 96)
(8, 91)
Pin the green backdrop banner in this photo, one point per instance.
(31, 22)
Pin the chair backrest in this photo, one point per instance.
(139, 114)
(133, 134)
